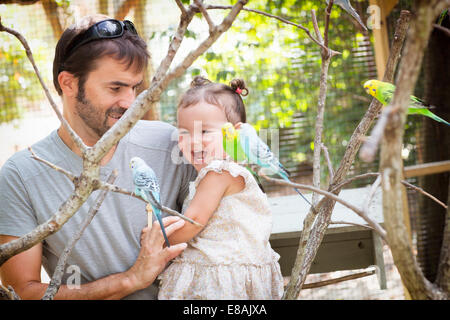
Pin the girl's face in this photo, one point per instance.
(200, 134)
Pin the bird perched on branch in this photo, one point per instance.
(384, 91)
(345, 4)
(244, 145)
(146, 182)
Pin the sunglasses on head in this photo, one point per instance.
(106, 29)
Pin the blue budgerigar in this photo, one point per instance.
(255, 151)
(346, 5)
(145, 181)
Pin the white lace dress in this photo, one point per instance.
(231, 257)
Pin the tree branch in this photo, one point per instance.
(375, 225)
(338, 280)
(79, 143)
(68, 174)
(306, 257)
(352, 223)
(113, 188)
(308, 33)
(144, 101)
(203, 10)
(327, 158)
(391, 163)
(55, 282)
(370, 146)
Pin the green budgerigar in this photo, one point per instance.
(384, 91)
(244, 145)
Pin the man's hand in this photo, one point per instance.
(153, 257)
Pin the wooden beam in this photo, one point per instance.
(427, 169)
(380, 35)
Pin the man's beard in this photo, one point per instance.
(94, 117)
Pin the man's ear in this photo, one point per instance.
(68, 83)
(238, 125)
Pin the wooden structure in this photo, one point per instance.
(344, 247)
(380, 35)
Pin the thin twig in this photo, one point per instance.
(55, 282)
(305, 257)
(182, 8)
(406, 183)
(316, 26)
(327, 22)
(337, 280)
(203, 10)
(113, 188)
(376, 226)
(350, 180)
(68, 174)
(372, 191)
(352, 223)
(79, 143)
(308, 33)
(370, 147)
(327, 158)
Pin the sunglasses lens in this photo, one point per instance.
(130, 26)
(109, 28)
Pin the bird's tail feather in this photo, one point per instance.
(298, 191)
(162, 228)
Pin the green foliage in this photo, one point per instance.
(18, 82)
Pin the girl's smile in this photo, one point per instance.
(200, 135)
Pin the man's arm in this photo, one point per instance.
(23, 271)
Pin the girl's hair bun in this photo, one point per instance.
(199, 81)
(238, 85)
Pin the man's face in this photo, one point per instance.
(106, 94)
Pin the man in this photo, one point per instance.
(99, 63)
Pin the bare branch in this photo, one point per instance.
(371, 194)
(305, 258)
(406, 183)
(55, 282)
(203, 10)
(68, 174)
(327, 158)
(144, 101)
(182, 8)
(350, 180)
(79, 143)
(316, 26)
(113, 188)
(338, 280)
(376, 226)
(370, 146)
(327, 22)
(391, 163)
(352, 223)
(308, 33)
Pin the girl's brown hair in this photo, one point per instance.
(218, 94)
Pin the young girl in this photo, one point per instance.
(231, 257)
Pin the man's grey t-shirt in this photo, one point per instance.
(31, 192)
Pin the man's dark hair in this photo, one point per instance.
(129, 48)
